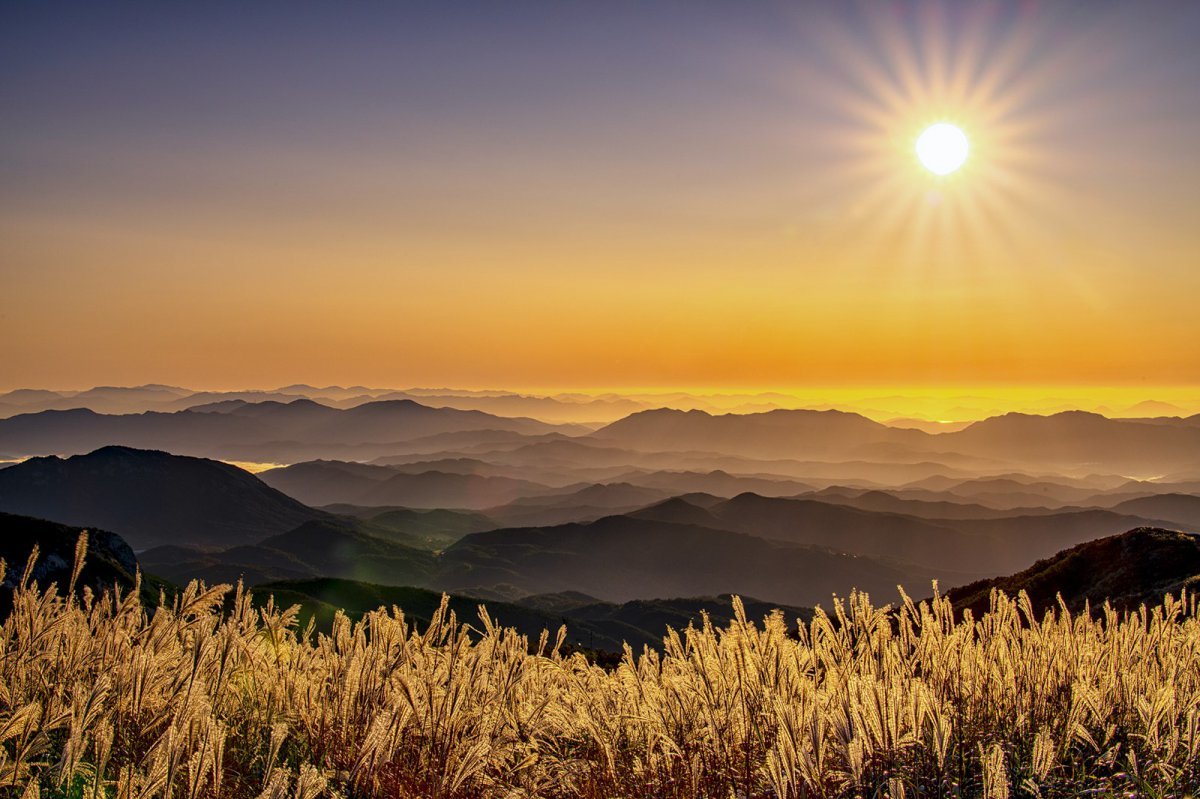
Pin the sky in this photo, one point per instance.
(598, 195)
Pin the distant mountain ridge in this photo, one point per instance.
(265, 431)
(329, 482)
(1070, 439)
(773, 434)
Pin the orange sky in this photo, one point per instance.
(731, 204)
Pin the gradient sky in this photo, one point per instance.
(597, 194)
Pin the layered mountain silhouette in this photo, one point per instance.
(1134, 568)
(329, 482)
(619, 558)
(265, 431)
(965, 546)
(774, 434)
(1071, 439)
(1077, 438)
(151, 497)
(329, 547)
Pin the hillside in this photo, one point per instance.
(1134, 568)
(339, 482)
(619, 558)
(151, 498)
(322, 548)
(109, 562)
(966, 545)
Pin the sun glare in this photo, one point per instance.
(942, 148)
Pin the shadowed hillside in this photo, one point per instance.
(152, 498)
(108, 561)
(1135, 568)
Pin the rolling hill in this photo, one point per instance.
(340, 482)
(151, 498)
(619, 558)
(323, 548)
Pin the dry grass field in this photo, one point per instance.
(210, 697)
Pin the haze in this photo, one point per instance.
(593, 196)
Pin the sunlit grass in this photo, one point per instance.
(210, 697)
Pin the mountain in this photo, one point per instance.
(549, 409)
(151, 497)
(328, 547)
(857, 532)
(431, 528)
(774, 434)
(326, 482)
(108, 562)
(264, 431)
(574, 504)
(964, 545)
(887, 502)
(600, 495)
(1134, 568)
(1075, 439)
(103, 399)
(442, 490)
(1153, 408)
(619, 558)
(1183, 509)
(331, 482)
(717, 482)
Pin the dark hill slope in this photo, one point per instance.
(976, 546)
(323, 548)
(109, 561)
(151, 497)
(340, 482)
(619, 558)
(1130, 569)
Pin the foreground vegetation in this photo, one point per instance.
(209, 696)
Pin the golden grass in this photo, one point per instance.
(210, 697)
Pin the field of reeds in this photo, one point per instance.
(208, 696)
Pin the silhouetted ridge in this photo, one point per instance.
(1133, 568)
(151, 497)
(109, 561)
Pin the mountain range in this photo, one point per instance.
(265, 431)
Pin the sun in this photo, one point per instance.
(942, 148)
